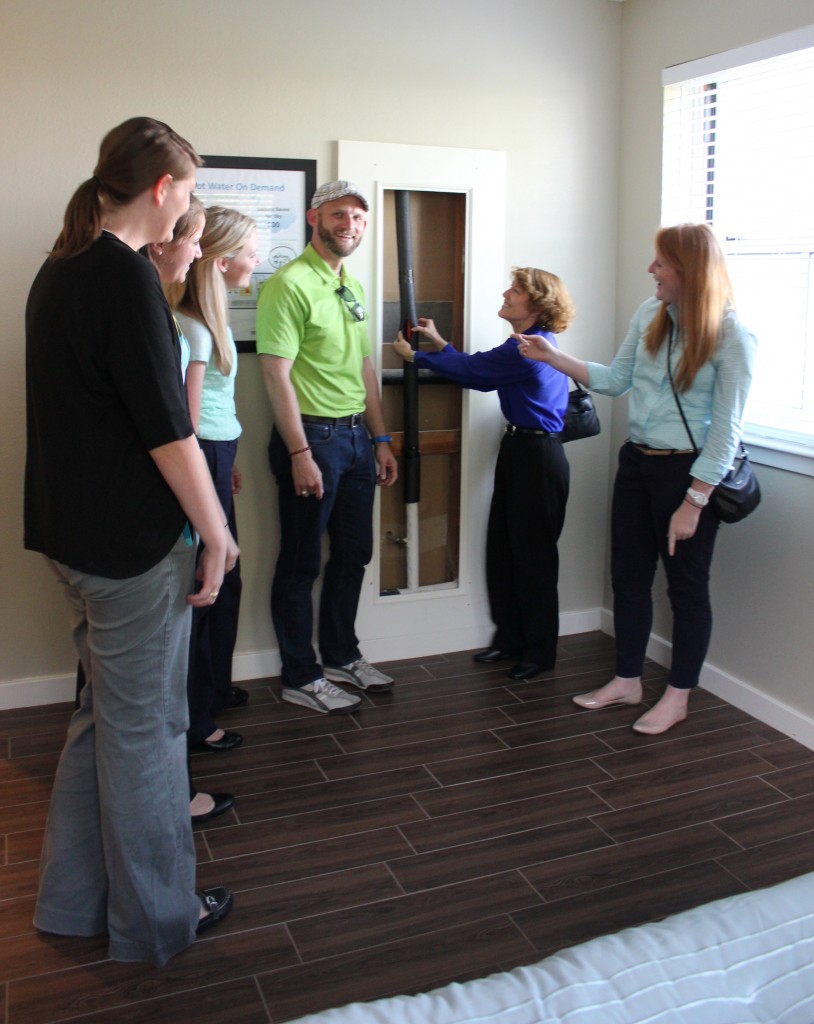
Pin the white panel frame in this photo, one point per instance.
(433, 621)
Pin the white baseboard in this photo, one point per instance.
(737, 692)
(34, 692)
(38, 691)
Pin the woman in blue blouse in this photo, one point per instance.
(688, 331)
(531, 475)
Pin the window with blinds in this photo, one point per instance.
(738, 153)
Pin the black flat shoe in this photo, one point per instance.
(527, 669)
(492, 654)
(217, 902)
(228, 741)
(223, 801)
(238, 698)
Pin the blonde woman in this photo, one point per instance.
(172, 260)
(228, 259)
(688, 331)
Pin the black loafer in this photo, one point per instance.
(228, 741)
(492, 654)
(223, 801)
(527, 669)
(238, 697)
(217, 902)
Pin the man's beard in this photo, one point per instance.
(342, 247)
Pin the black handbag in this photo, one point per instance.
(580, 418)
(738, 494)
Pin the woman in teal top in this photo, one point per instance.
(228, 258)
(687, 336)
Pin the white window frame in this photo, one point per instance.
(790, 451)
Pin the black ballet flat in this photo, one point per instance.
(228, 741)
(527, 669)
(222, 803)
(493, 654)
(238, 697)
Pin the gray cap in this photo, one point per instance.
(337, 190)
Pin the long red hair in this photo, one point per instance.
(706, 294)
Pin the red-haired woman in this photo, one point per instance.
(687, 337)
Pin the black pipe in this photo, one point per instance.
(411, 466)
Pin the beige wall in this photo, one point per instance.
(544, 80)
(535, 78)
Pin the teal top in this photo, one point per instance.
(301, 317)
(713, 405)
(218, 419)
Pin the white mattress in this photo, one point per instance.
(745, 958)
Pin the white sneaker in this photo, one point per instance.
(360, 674)
(324, 697)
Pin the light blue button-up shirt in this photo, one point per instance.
(713, 405)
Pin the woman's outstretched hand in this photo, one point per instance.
(533, 346)
(403, 348)
(427, 327)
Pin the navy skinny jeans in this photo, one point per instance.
(214, 628)
(647, 491)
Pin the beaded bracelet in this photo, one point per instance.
(301, 451)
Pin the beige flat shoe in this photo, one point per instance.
(648, 726)
(595, 700)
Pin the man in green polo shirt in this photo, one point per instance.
(315, 355)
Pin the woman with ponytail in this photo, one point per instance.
(114, 478)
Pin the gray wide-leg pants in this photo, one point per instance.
(118, 855)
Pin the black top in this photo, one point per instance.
(103, 388)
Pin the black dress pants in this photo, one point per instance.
(522, 561)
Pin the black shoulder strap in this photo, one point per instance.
(675, 393)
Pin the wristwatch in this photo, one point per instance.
(698, 498)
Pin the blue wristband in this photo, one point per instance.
(383, 439)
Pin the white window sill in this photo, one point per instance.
(794, 458)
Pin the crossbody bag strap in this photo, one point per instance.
(675, 394)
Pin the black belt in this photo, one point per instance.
(340, 421)
(661, 451)
(512, 429)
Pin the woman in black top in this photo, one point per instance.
(113, 477)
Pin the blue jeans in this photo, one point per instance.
(647, 491)
(118, 855)
(345, 458)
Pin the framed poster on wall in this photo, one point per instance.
(276, 194)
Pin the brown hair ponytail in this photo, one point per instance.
(132, 157)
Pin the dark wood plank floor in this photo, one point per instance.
(461, 825)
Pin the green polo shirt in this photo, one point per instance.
(300, 317)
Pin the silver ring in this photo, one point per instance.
(305, 494)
